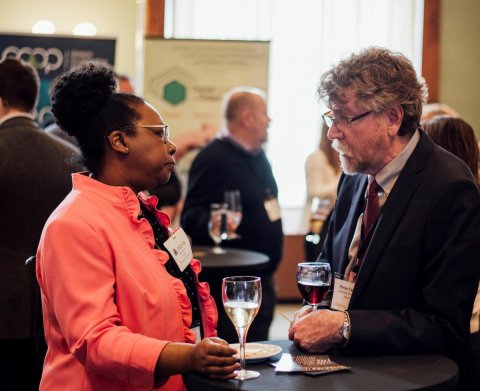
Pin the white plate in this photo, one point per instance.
(257, 351)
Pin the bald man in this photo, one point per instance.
(236, 161)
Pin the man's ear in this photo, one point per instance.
(246, 117)
(394, 119)
(116, 140)
(3, 108)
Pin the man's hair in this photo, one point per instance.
(19, 84)
(380, 79)
(237, 98)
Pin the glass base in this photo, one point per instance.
(244, 374)
(218, 250)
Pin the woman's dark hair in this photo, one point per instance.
(457, 137)
(86, 106)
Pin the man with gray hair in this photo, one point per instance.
(34, 177)
(236, 161)
(404, 236)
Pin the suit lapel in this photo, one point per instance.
(393, 211)
(343, 239)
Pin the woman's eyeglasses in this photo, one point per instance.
(160, 130)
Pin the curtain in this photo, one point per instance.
(307, 37)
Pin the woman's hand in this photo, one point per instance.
(213, 357)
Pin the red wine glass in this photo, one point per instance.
(313, 281)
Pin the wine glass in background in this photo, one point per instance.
(241, 297)
(217, 226)
(234, 205)
(313, 281)
(319, 210)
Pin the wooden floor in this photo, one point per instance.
(279, 327)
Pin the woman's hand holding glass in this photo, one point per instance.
(211, 357)
(215, 358)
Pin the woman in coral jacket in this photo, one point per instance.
(120, 311)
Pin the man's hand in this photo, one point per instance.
(304, 311)
(317, 331)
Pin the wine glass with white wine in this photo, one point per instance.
(242, 296)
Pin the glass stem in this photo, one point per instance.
(217, 249)
(242, 339)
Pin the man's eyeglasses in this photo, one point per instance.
(160, 130)
(329, 119)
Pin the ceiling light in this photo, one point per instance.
(85, 28)
(43, 27)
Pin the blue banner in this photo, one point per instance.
(52, 55)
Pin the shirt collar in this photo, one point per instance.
(389, 174)
(15, 115)
(226, 135)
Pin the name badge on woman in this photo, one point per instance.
(179, 247)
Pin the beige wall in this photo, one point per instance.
(459, 84)
(113, 19)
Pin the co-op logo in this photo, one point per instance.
(47, 60)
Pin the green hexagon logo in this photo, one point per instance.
(174, 92)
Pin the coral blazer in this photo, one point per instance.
(109, 305)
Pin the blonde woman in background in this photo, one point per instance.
(322, 172)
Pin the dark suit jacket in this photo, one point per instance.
(415, 290)
(34, 177)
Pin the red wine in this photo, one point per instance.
(313, 292)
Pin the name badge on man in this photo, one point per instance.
(179, 247)
(342, 293)
(273, 209)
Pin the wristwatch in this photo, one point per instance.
(346, 327)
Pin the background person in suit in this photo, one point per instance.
(35, 176)
(457, 136)
(415, 273)
(236, 161)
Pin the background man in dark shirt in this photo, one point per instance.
(236, 161)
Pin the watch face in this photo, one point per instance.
(346, 327)
(345, 331)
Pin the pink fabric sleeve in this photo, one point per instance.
(77, 276)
